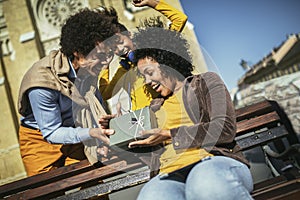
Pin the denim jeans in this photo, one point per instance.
(213, 178)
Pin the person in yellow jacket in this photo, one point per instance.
(126, 75)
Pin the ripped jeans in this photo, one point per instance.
(213, 178)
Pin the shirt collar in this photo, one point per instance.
(72, 73)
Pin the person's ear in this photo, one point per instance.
(76, 54)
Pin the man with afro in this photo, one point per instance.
(49, 134)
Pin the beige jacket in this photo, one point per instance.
(52, 72)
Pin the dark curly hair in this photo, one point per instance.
(85, 29)
(113, 13)
(169, 48)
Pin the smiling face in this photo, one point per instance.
(165, 85)
(98, 58)
(124, 45)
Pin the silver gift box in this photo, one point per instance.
(128, 126)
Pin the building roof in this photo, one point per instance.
(284, 52)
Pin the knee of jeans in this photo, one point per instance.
(145, 193)
(213, 181)
(157, 189)
(208, 185)
(206, 179)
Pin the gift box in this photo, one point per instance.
(128, 126)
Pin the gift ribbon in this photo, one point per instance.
(138, 122)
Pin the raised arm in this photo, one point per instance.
(178, 19)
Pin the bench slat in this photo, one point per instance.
(256, 123)
(50, 176)
(262, 138)
(253, 110)
(258, 187)
(75, 181)
(45, 178)
(111, 186)
(284, 190)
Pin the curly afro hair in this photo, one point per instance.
(85, 29)
(165, 46)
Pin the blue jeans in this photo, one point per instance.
(217, 177)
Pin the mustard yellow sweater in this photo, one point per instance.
(172, 114)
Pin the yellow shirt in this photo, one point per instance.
(171, 115)
(177, 18)
(138, 90)
(122, 79)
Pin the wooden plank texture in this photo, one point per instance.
(253, 110)
(285, 190)
(45, 178)
(75, 181)
(251, 124)
(109, 187)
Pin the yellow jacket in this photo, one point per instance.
(140, 94)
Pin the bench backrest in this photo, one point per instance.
(262, 122)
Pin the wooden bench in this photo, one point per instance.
(277, 188)
(57, 182)
(257, 125)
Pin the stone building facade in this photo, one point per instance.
(275, 77)
(29, 29)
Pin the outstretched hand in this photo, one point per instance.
(157, 136)
(103, 131)
(102, 134)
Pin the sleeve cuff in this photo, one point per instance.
(175, 140)
(83, 134)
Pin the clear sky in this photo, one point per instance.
(231, 30)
